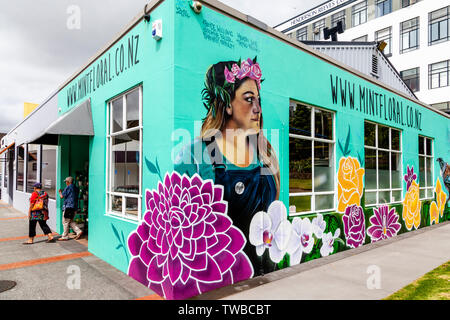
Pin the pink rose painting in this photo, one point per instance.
(187, 244)
(354, 226)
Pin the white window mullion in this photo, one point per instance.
(376, 162)
(390, 165)
(110, 158)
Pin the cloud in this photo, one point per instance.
(39, 52)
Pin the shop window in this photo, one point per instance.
(302, 34)
(20, 168)
(318, 29)
(48, 172)
(438, 74)
(411, 77)
(409, 35)
(439, 26)
(124, 154)
(386, 36)
(32, 162)
(383, 164)
(5, 180)
(383, 7)
(359, 13)
(311, 159)
(426, 168)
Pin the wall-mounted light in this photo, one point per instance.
(196, 6)
(146, 15)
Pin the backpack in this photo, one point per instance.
(41, 203)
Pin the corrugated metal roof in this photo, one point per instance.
(362, 56)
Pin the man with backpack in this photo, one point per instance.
(38, 213)
(70, 206)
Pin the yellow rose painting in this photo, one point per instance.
(441, 197)
(350, 183)
(411, 207)
(434, 213)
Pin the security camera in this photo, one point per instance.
(196, 6)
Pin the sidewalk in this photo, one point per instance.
(45, 271)
(349, 275)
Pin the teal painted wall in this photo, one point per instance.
(172, 73)
(154, 71)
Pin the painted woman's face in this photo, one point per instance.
(245, 109)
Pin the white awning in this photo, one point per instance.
(76, 122)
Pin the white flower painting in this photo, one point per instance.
(271, 230)
(301, 239)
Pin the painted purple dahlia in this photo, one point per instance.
(187, 244)
(384, 223)
(354, 226)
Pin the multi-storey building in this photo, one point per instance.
(417, 34)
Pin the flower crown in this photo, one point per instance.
(249, 68)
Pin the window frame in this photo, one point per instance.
(42, 151)
(357, 10)
(408, 31)
(339, 16)
(428, 188)
(321, 24)
(299, 33)
(438, 21)
(408, 80)
(387, 39)
(24, 173)
(27, 160)
(378, 190)
(430, 74)
(109, 136)
(360, 39)
(382, 5)
(313, 139)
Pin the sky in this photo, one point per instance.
(43, 43)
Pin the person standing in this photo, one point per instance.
(70, 195)
(38, 213)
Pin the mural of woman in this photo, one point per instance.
(232, 149)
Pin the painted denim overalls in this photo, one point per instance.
(247, 192)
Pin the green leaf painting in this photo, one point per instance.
(122, 242)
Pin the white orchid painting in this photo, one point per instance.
(271, 230)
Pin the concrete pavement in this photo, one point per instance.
(57, 271)
(371, 272)
(47, 271)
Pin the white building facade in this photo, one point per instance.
(417, 34)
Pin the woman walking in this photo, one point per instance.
(38, 213)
